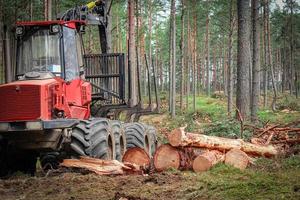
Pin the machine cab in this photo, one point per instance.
(49, 48)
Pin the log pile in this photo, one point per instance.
(198, 152)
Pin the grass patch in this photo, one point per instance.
(225, 182)
(278, 117)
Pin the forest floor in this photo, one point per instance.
(267, 179)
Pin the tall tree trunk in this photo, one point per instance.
(150, 30)
(109, 16)
(229, 62)
(207, 57)
(270, 61)
(265, 72)
(173, 53)
(132, 53)
(195, 57)
(243, 62)
(48, 10)
(188, 82)
(182, 47)
(214, 82)
(255, 60)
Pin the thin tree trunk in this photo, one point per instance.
(214, 82)
(173, 57)
(188, 58)
(182, 56)
(265, 74)
(255, 60)
(132, 53)
(207, 57)
(229, 61)
(109, 16)
(242, 94)
(48, 10)
(270, 61)
(195, 58)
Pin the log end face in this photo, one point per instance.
(175, 137)
(237, 158)
(136, 156)
(201, 164)
(166, 157)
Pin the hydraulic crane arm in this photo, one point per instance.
(94, 14)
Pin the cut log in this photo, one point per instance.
(237, 158)
(138, 156)
(179, 138)
(166, 157)
(102, 167)
(206, 160)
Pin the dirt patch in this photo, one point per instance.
(90, 186)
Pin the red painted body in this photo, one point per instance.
(70, 24)
(32, 100)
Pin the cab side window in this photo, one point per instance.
(70, 54)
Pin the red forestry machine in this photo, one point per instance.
(59, 104)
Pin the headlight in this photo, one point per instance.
(19, 30)
(54, 29)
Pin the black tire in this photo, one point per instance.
(141, 135)
(49, 161)
(93, 138)
(120, 139)
(151, 132)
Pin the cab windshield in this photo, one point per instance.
(39, 51)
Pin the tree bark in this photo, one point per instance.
(243, 61)
(180, 138)
(229, 62)
(270, 61)
(265, 72)
(108, 13)
(188, 58)
(48, 10)
(255, 60)
(173, 52)
(195, 57)
(132, 53)
(207, 57)
(182, 48)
